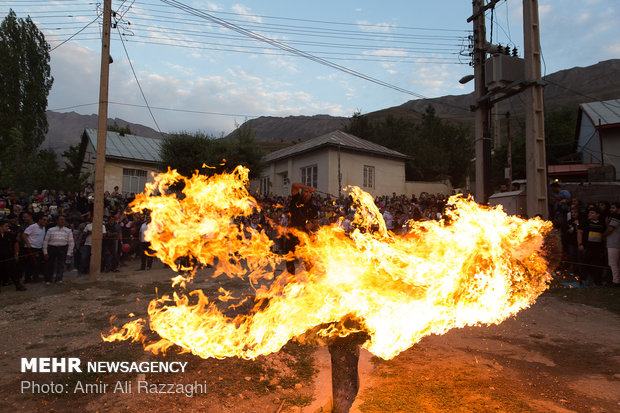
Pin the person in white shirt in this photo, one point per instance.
(33, 237)
(146, 261)
(57, 247)
(86, 248)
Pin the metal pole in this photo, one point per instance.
(536, 164)
(97, 234)
(482, 139)
(509, 141)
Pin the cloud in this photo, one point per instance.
(374, 27)
(245, 11)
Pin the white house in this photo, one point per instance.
(337, 160)
(598, 133)
(130, 160)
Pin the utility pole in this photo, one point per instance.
(509, 142)
(482, 141)
(536, 164)
(102, 130)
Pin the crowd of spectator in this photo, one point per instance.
(45, 233)
(590, 236)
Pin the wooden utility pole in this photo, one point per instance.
(536, 164)
(482, 141)
(102, 130)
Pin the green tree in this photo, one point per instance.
(244, 150)
(25, 81)
(72, 176)
(124, 130)
(439, 149)
(187, 153)
(560, 127)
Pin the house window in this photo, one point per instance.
(369, 176)
(133, 180)
(309, 176)
(265, 183)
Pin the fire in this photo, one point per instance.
(479, 267)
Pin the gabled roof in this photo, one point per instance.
(607, 111)
(127, 146)
(335, 139)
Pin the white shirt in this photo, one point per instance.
(36, 235)
(143, 229)
(88, 229)
(59, 237)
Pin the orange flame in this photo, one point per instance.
(479, 268)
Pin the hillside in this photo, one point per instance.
(565, 88)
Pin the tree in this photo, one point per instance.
(25, 81)
(124, 130)
(438, 149)
(187, 153)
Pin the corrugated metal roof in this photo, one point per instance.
(128, 146)
(335, 139)
(607, 111)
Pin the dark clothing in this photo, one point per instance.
(35, 264)
(301, 213)
(8, 266)
(146, 261)
(110, 247)
(594, 251)
(55, 262)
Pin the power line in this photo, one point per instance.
(75, 34)
(287, 48)
(201, 112)
(137, 81)
(319, 21)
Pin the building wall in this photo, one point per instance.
(389, 174)
(611, 148)
(113, 173)
(588, 142)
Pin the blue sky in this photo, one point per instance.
(211, 78)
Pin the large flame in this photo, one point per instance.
(480, 266)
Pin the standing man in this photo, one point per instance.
(146, 259)
(9, 254)
(612, 237)
(34, 236)
(304, 215)
(110, 245)
(590, 243)
(86, 248)
(57, 247)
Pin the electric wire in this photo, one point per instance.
(137, 81)
(290, 49)
(75, 34)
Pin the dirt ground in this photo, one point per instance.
(557, 356)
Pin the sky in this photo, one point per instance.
(209, 66)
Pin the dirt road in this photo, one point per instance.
(557, 356)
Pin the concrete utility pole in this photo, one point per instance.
(102, 130)
(482, 141)
(536, 163)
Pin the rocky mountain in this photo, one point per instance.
(564, 88)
